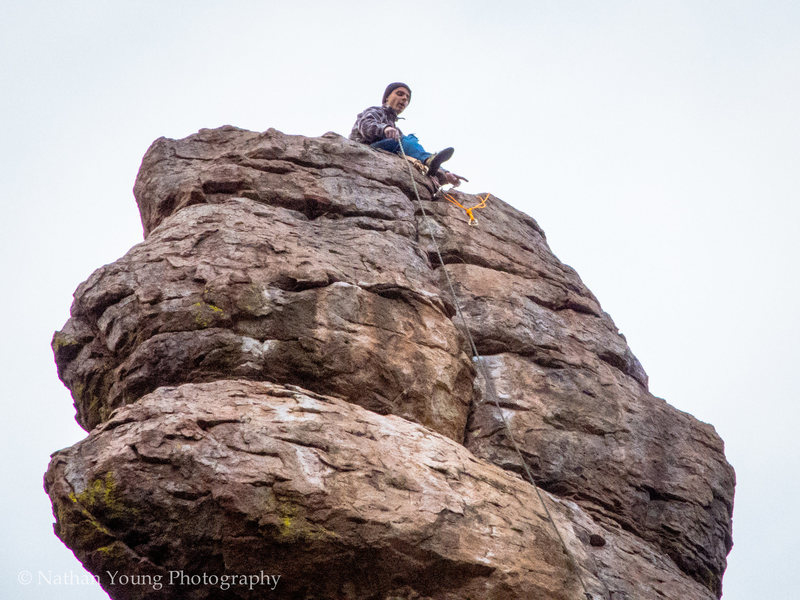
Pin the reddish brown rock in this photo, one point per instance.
(574, 396)
(325, 176)
(337, 501)
(623, 455)
(244, 290)
(308, 262)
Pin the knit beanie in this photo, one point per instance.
(392, 87)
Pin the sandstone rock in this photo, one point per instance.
(541, 319)
(326, 176)
(308, 262)
(336, 500)
(626, 457)
(240, 289)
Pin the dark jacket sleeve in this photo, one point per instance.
(370, 124)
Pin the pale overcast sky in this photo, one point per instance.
(656, 143)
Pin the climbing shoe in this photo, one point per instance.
(435, 161)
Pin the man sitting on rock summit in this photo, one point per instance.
(377, 126)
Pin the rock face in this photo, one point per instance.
(281, 359)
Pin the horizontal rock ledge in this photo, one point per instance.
(244, 290)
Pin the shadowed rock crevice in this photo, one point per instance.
(281, 359)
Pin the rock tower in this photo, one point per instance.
(277, 385)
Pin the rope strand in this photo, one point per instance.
(481, 204)
(489, 383)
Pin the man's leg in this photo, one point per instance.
(411, 147)
(432, 161)
(387, 144)
(414, 149)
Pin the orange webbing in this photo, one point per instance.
(481, 204)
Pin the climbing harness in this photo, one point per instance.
(488, 382)
(418, 164)
(481, 204)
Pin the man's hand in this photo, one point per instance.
(392, 132)
(451, 178)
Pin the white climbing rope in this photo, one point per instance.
(489, 383)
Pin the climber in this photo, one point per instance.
(377, 126)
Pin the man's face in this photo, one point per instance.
(399, 99)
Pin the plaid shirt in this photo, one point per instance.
(370, 124)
